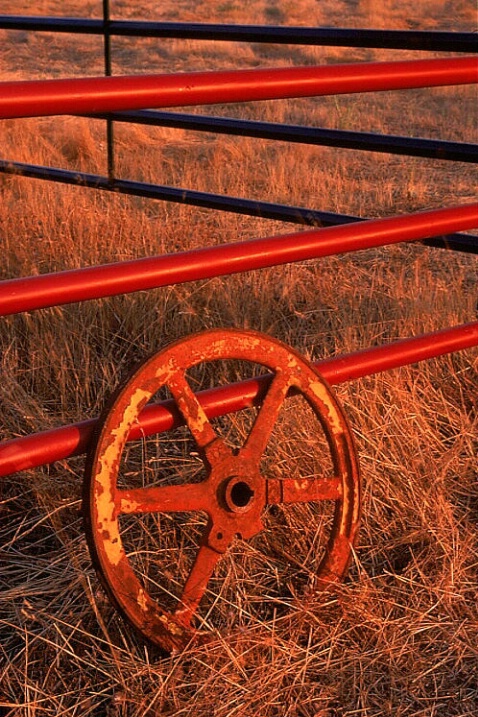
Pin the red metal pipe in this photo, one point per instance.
(107, 94)
(26, 294)
(60, 443)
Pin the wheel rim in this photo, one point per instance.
(235, 492)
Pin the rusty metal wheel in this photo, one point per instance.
(204, 499)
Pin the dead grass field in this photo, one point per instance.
(400, 637)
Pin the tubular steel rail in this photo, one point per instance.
(235, 493)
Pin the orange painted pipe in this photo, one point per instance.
(60, 443)
(108, 94)
(65, 287)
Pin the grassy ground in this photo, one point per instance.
(400, 636)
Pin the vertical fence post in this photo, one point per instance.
(107, 60)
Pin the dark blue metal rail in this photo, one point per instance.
(318, 36)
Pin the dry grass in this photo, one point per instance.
(400, 636)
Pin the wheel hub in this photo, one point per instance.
(238, 495)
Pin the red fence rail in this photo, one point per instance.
(121, 278)
(72, 440)
(107, 94)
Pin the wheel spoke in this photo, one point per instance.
(303, 490)
(258, 438)
(191, 409)
(163, 499)
(195, 587)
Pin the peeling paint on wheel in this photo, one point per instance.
(234, 493)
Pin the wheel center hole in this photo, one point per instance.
(241, 494)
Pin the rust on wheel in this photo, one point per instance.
(237, 494)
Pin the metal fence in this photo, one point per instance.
(125, 99)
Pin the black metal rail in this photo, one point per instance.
(390, 144)
(325, 36)
(237, 205)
